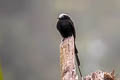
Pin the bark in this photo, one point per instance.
(100, 75)
(67, 59)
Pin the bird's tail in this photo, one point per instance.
(78, 61)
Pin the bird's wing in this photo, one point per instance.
(73, 28)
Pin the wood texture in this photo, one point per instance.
(100, 75)
(67, 59)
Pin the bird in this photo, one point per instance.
(66, 28)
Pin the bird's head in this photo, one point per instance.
(63, 16)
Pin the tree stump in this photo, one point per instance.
(67, 59)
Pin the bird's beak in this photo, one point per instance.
(58, 18)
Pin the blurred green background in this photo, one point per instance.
(29, 41)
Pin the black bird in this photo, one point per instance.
(66, 28)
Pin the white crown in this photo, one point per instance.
(62, 14)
